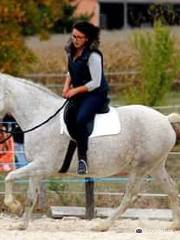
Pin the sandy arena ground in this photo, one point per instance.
(45, 228)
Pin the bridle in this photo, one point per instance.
(33, 128)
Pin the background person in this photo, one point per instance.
(6, 151)
(11, 125)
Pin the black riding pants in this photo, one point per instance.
(79, 112)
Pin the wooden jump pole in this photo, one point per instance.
(89, 194)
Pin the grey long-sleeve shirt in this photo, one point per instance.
(95, 68)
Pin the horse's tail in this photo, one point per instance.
(174, 119)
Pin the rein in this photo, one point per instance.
(35, 127)
(3, 141)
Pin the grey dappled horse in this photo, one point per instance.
(143, 144)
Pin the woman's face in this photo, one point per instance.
(79, 39)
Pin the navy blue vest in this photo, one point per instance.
(79, 71)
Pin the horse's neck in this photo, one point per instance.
(30, 105)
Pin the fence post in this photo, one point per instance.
(89, 190)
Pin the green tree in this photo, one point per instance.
(15, 57)
(18, 17)
(40, 15)
(158, 66)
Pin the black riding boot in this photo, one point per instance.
(68, 157)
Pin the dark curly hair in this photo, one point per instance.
(92, 33)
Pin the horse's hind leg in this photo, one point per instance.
(169, 187)
(131, 194)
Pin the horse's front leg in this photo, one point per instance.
(32, 171)
(32, 196)
(9, 200)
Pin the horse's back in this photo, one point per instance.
(142, 113)
(147, 122)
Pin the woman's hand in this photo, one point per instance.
(71, 92)
(74, 91)
(65, 91)
(67, 86)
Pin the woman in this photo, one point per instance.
(85, 86)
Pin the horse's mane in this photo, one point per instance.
(33, 84)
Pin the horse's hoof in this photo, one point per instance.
(102, 226)
(16, 208)
(10, 228)
(14, 205)
(175, 226)
(21, 227)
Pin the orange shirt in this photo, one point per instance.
(6, 153)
